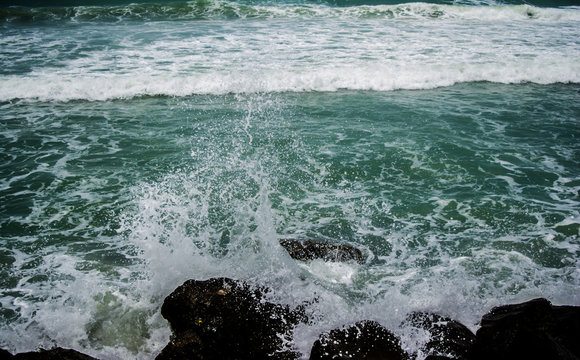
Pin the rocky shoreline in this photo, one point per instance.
(222, 318)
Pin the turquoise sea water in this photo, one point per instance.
(143, 144)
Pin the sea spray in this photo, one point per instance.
(218, 205)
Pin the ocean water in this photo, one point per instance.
(146, 143)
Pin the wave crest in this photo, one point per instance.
(66, 88)
(220, 9)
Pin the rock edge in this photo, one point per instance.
(221, 318)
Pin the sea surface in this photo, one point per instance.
(146, 143)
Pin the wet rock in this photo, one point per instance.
(53, 354)
(226, 319)
(449, 339)
(311, 250)
(186, 345)
(530, 330)
(363, 340)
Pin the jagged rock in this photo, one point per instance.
(226, 319)
(187, 345)
(53, 354)
(311, 250)
(530, 330)
(363, 340)
(449, 338)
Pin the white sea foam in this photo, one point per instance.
(289, 55)
(334, 272)
(490, 10)
(170, 228)
(375, 77)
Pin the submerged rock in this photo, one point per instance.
(53, 354)
(363, 340)
(226, 319)
(311, 250)
(449, 339)
(530, 330)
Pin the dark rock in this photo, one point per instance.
(530, 330)
(226, 319)
(5, 355)
(449, 339)
(53, 354)
(310, 250)
(187, 345)
(363, 340)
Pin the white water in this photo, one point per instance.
(94, 62)
(171, 229)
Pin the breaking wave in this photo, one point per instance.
(221, 9)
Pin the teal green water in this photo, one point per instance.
(442, 140)
(440, 186)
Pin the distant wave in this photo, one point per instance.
(220, 9)
(108, 87)
(342, 3)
